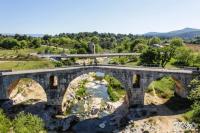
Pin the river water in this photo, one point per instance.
(96, 103)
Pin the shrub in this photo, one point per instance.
(115, 90)
(81, 91)
(27, 123)
(5, 123)
(112, 94)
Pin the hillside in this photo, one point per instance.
(186, 33)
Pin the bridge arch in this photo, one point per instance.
(24, 89)
(180, 83)
(120, 76)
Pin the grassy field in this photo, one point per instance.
(25, 65)
(49, 49)
(22, 60)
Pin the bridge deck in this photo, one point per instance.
(85, 55)
(109, 67)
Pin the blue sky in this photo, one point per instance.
(117, 16)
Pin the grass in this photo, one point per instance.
(163, 87)
(25, 65)
(4, 52)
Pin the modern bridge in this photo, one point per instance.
(85, 55)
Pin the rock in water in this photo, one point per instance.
(94, 111)
(102, 125)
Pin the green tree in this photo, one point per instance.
(150, 56)
(176, 42)
(135, 43)
(27, 123)
(154, 40)
(36, 43)
(98, 48)
(183, 56)
(23, 44)
(166, 53)
(140, 47)
(81, 51)
(95, 40)
(9, 43)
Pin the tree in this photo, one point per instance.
(140, 47)
(81, 51)
(135, 43)
(197, 60)
(166, 53)
(119, 50)
(23, 44)
(9, 43)
(183, 56)
(176, 42)
(150, 56)
(98, 48)
(36, 43)
(154, 40)
(95, 40)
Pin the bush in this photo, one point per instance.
(58, 64)
(115, 90)
(27, 123)
(121, 60)
(81, 92)
(112, 94)
(114, 83)
(196, 113)
(195, 98)
(5, 123)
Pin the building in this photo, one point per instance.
(91, 47)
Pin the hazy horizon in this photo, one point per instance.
(113, 16)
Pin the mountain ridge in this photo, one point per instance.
(186, 33)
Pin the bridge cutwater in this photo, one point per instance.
(55, 94)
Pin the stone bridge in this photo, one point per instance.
(56, 81)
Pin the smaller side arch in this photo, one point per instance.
(180, 87)
(25, 89)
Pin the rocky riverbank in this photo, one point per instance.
(94, 112)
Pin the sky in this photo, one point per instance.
(114, 16)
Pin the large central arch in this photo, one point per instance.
(121, 76)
